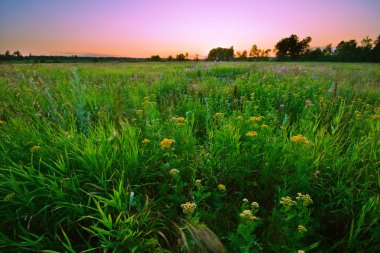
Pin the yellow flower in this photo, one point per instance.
(247, 215)
(251, 133)
(188, 208)
(219, 115)
(145, 140)
(180, 119)
(373, 117)
(2, 122)
(174, 172)
(139, 112)
(35, 148)
(300, 139)
(305, 199)
(287, 201)
(239, 118)
(301, 229)
(256, 118)
(264, 126)
(9, 197)
(166, 143)
(221, 187)
(180, 124)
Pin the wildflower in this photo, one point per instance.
(239, 118)
(300, 251)
(198, 182)
(188, 208)
(282, 106)
(166, 143)
(133, 119)
(308, 102)
(180, 124)
(180, 119)
(251, 133)
(255, 205)
(287, 201)
(300, 139)
(264, 126)
(373, 117)
(247, 215)
(35, 148)
(221, 187)
(219, 115)
(305, 199)
(145, 140)
(9, 197)
(2, 122)
(301, 229)
(174, 172)
(256, 118)
(245, 200)
(139, 112)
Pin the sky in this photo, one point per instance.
(141, 28)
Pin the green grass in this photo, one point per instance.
(83, 166)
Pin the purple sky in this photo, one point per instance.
(140, 28)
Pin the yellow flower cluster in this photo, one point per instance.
(300, 139)
(304, 198)
(219, 115)
(166, 143)
(9, 197)
(301, 229)
(221, 187)
(287, 201)
(251, 133)
(35, 148)
(174, 172)
(145, 140)
(256, 118)
(247, 215)
(180, 119)
(188, 208)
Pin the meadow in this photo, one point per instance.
(190, 157)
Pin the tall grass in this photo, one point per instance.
(208, 157)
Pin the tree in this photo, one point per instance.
(170, 58)
(254, 51)
(347, 50)
(243, 55)
(221, 54)
(180, 57)
(7, 54)
(17, 54)
(327, 51)
(155, 58)
(292, 47)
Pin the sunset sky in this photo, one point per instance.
(141, 28)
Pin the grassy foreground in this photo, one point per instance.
(200, 157)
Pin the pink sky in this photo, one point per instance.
(141, 28)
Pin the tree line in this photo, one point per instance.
(291, 48)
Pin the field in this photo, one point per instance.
(194, 156)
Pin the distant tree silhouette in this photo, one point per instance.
(327, 51)
(221, 54)
(292, 48)
(258, 53)
(170, 58)
(155, 58)
(181, 57)
(347, 51)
